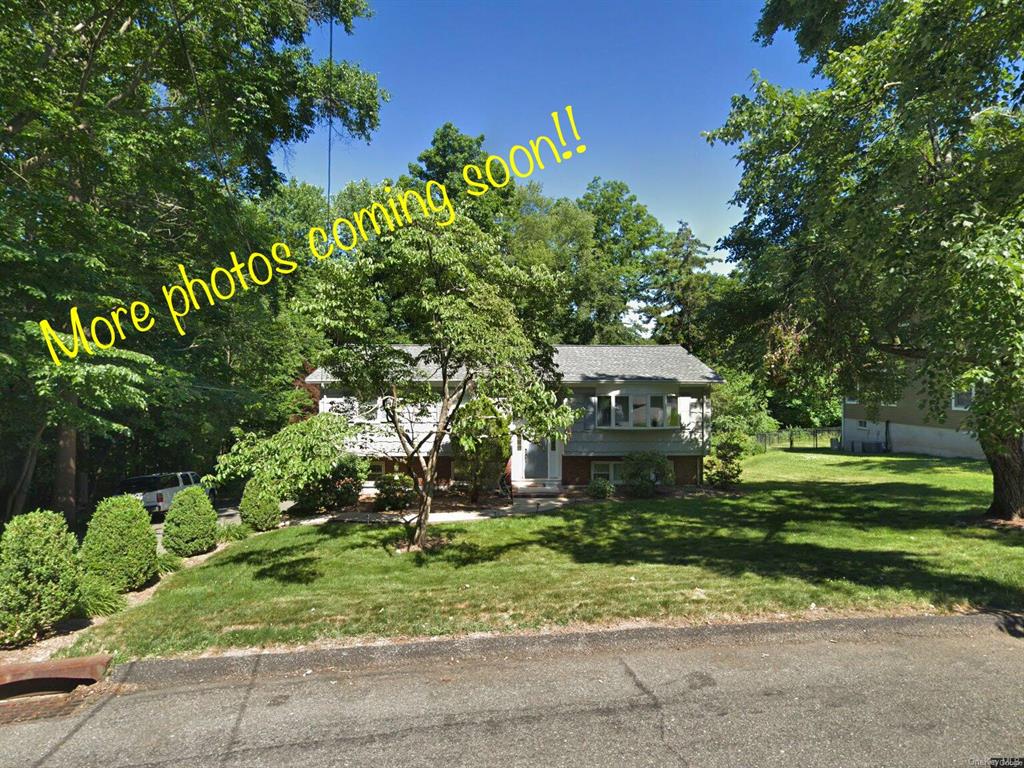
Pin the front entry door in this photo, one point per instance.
(542, 461)
(536, 460)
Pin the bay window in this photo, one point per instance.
(635, 412)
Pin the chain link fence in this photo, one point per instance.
(799, 437)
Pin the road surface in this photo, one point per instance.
(886, 692)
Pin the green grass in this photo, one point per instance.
(849, 534)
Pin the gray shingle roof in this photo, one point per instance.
(620, 362)
(610, 362)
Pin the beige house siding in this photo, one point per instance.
(910, 430)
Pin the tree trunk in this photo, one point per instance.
(1006, 458)
(66, 474)
(421, 519)
(16, 500)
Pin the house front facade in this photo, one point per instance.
(632, 397)
(905, 427)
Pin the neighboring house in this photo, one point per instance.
(905, 427)
(634, 398)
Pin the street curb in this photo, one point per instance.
(161, 673)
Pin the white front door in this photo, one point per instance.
(539, 462)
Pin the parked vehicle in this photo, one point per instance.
(156, 491)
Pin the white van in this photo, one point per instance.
(156, 491)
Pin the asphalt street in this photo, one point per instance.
(885, 692)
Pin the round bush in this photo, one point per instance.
(394, 491)
(600, 488)
(120, 545)
(644, 471)
(338, 489)
(39, 576)
(190, 527)
(260, 508)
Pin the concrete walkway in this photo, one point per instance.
(881, 692)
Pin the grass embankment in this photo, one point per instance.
(848, 534)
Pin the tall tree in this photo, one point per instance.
(130, 139)
(626, 235)
(447, 289)
(885, 209)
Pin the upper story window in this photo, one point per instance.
(961, 401)
(637, 411)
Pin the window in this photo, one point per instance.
(657, 410)
(639, 411)
(584, 400)
(862, 424)
(186, 478)
(962, 400)
(376, 469)
(606, 470)
(621, 410)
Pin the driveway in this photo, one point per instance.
(913, 691)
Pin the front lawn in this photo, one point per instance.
(844, 533)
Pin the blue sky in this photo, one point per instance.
(644, 79)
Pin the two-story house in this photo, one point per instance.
(633, 398)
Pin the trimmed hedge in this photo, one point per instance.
(190, 527)
(394, 491)
(260, 508)
(40, 576)
(120, 545)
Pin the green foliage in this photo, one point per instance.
(260, 508)
(120, 546)
(600, 488)
(233, 532)
(882, 210)
(190, 527)
(626, 235)
(40, 576)
(450, 291)
(298, 462)
(394, 491)
(134, 139)
(338, 489)
(739, 409)
(724, 466)
(98, 598)
(481, 445)
(643, 472)
(168, 562)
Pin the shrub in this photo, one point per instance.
(40, 576)
(291, 462)
(190, 527)
(260, 508)
(394, 491)
(98, 598)
(338, 489)
(120, 546)
(600, 488)
(723, 467)
(644, 471)
(233, 532)
(168, 562)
